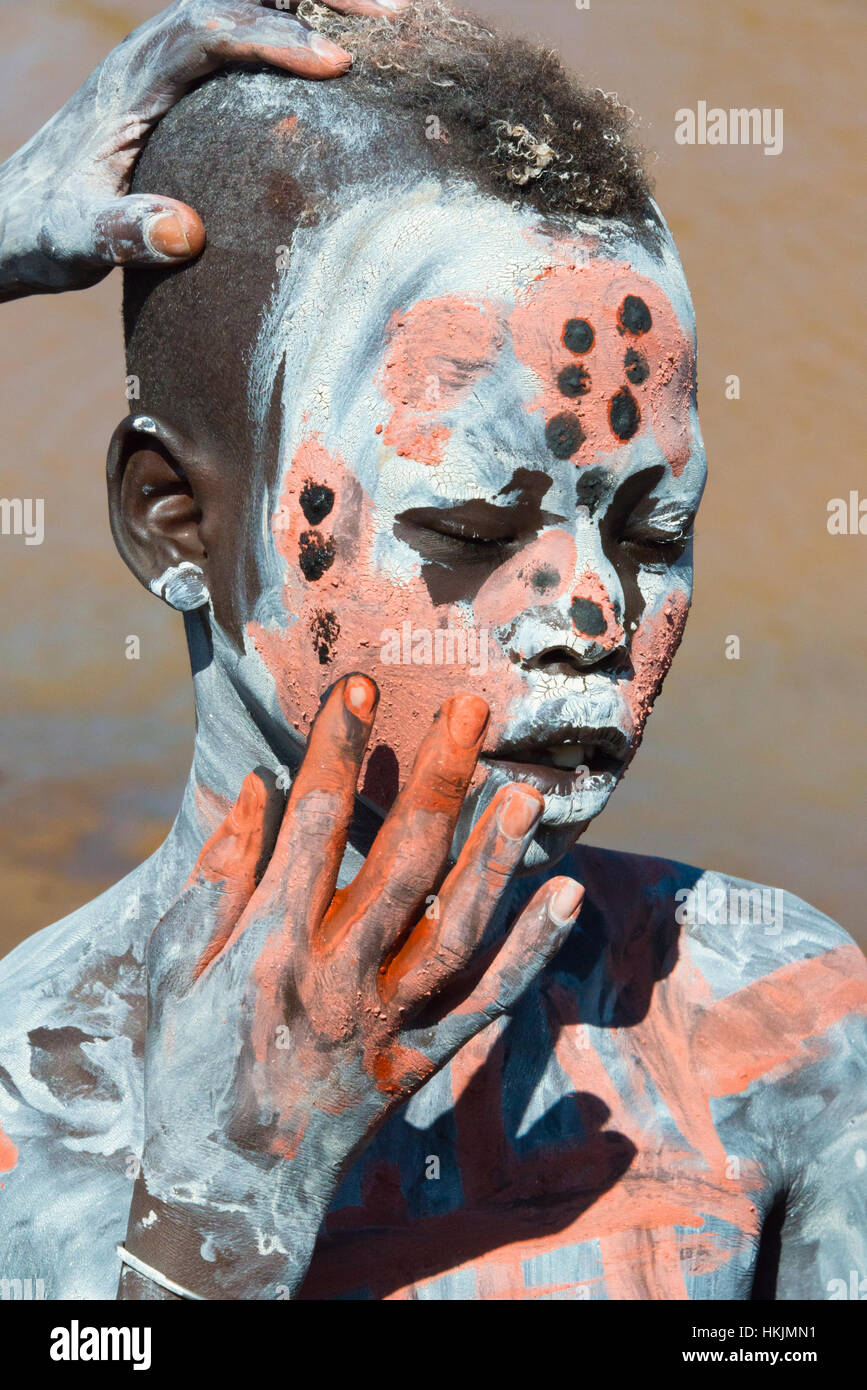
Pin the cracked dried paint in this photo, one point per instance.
(585, 1140)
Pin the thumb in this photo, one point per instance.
(225, 876)
(144, 230)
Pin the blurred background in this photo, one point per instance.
(754, 766)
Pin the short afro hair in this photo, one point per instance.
(445, 95)
(514, 117)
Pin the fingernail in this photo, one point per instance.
(520, 810)
(467, 719)
(249, 799)
(328, 50)
(164, 233)
(359, 695)
(565, 902)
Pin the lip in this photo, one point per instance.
(605, 754)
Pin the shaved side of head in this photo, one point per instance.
(259, 153)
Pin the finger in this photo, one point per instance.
(441, 945)
(224, 878)
(142, 230)
(375, 9)
(532, 943)
(299, 883)
(244, 33)
(410, 851)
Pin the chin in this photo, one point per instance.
(548, 845)
(567, 814)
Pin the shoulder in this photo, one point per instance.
(71, 1041)
(71, 1015)
(753, 928)
(760, 956)
(57, 970)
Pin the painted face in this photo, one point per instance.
(489, 468)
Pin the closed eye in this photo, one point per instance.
(461, 531)
(470, 533)
(455, 542)
(656, 546)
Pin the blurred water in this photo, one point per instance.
(753, 766)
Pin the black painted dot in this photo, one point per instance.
(315, 554)
(545, 578)
(325, 630)
(633, 316)
(636, 366)
(574, 381)
(563, 435)
(316, 501)
(578, 335)
(587, 617)
(591, 486)
(623, 413)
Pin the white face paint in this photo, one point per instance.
(488, 434)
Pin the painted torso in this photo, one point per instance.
(622, 1134)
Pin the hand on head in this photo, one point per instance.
(68, 215)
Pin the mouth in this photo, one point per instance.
(565, 761)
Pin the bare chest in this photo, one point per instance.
(556, 1161)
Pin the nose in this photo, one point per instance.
(573, 609)
(595, 613)
(588, 617)
(594, 636)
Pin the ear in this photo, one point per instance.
(159, 492)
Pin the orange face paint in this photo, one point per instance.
(616, 383)
(436, 353)
(460, 409)
(407, 701)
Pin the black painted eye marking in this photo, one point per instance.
(574, 381)
(633, 316)
(315, 554)
(316, 501)
(578, 335)
(563, 435)
(624, 415)
(587, 617)
(636, 366)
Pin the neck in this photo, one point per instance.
(235, 733)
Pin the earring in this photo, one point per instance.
(183, 586)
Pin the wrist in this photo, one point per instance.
(247, 1241)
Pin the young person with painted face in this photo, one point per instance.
(395, 1032)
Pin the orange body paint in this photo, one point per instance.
(8, 1153)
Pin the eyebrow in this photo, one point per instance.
(523, 493)
(523, 512)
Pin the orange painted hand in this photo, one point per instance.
(288, 1018)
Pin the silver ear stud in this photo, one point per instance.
(183, 586)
